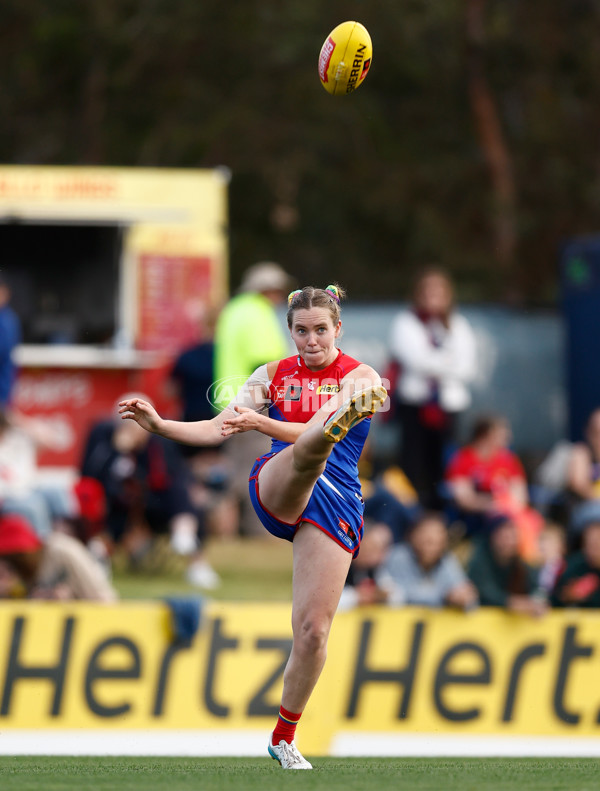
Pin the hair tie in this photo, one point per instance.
(292, 295)
(333, 292)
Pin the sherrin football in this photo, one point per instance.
(345, 58)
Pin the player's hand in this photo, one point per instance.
(142, 412)
(245, 420)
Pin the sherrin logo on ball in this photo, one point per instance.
(345, 58)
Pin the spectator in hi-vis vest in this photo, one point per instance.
(248, 334)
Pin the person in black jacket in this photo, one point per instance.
(502, 578)
(579, 583)
(146, 484)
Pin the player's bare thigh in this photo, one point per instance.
(284, 491)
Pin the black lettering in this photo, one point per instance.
(405, 677)
(218, 643)
(163, 675)
(361, 49)
(95, 672)
(357, 63)
(444, 677)
(258, 706)
(15, 670)
(570, 652)
(531, 651)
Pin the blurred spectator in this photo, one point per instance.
(392, 501)
(249, 334)
(146, 485)
(211, 493)
(193, 373)
(191, 381)
(549, 492)
(59, 567)
(486, 477)
(434, 349)
(583, 472)
(553, 550)
(10, 337)
(361, 587)
(423, 571)
(44, 506)
(579, 583)
(502, 578)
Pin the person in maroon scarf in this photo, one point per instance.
(433, 349)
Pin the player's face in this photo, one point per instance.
(314, 334)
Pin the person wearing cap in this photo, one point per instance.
(59, 567)
(248, 331)
(247, 335)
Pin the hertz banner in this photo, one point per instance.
(111, 679)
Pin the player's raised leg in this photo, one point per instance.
(320, 570)
(286, 483)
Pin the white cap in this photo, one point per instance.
(266, 276)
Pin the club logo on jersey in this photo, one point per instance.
(311, 384)
(288, 392)
(293, 393)
(328, 389)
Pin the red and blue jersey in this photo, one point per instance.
(296, 393)
(335, 506)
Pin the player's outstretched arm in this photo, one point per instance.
(241, 419)
(203, 432)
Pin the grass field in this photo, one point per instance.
(330, 774)
(250, 570)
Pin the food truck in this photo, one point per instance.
(109, 271)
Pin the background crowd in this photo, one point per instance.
(447, 523)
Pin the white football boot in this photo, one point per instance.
(288, 755)
(362, 404)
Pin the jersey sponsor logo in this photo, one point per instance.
(328, 389)
(291, 376)
(345, 538)
(349, 536)
(343, 525)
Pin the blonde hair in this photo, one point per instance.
(310, 297)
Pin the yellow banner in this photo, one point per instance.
(87, 666)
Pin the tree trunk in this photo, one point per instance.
(493, 143)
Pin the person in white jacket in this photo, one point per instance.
(434, 348)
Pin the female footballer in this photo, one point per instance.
(306, 489)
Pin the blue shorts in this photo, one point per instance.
(326, 509)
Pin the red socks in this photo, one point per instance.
(286, 726)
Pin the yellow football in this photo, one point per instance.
(345, 58)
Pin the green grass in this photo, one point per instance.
(330, 774)
(250, 570)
